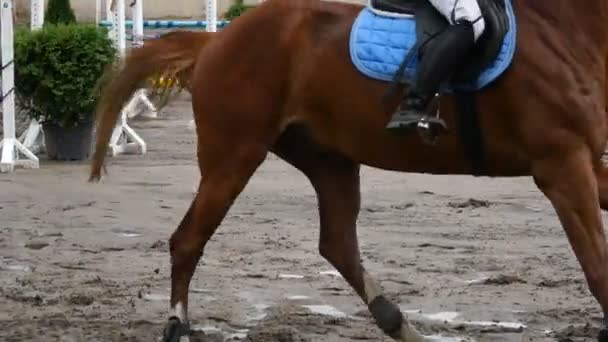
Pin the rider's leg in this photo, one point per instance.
(441, 56)
(456, 10)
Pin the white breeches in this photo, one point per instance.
(455, 10)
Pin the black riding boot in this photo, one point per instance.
(441, 56)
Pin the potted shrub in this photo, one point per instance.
(57, 69)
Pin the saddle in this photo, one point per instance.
(429, 22)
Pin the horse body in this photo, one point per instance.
(345, 112)
(351, 117)
(332, 104)
(348, 113)
(279, 79)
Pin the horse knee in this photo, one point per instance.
(181, 244)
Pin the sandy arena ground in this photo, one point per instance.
(471, 259)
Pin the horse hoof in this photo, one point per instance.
(603, 336)
(176, 331)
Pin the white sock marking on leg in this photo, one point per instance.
(372, 288)
(179, 312)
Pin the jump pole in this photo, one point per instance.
(109, 10)
(124, 139)
(168, 24)
(97, 8)
(10, 145)
(137, 12)
(33, 137)
(211, 14)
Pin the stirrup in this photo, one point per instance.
(401, 120)
(408, 114)
(429, 126)
(429, 129)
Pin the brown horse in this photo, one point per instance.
(279, 79)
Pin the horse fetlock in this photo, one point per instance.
(176, 331)
(387, 315)
(603, 335)
(392, 322)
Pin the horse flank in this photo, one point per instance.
(174, 54)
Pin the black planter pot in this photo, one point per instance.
(73, 143)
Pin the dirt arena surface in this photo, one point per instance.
(467, 259)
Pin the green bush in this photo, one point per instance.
(59, 12)
(236, 10)
(57, 69)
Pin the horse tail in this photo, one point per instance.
(173, 55)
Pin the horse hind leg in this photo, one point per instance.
(225, 175)
(336, 182)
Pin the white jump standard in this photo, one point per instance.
(141, 96)
(11, 147)
(124, 139)
(33, 137)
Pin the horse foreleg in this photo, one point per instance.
(225, 176)
(570, 183)
(338, 192)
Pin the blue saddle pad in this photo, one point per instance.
(378, 45)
